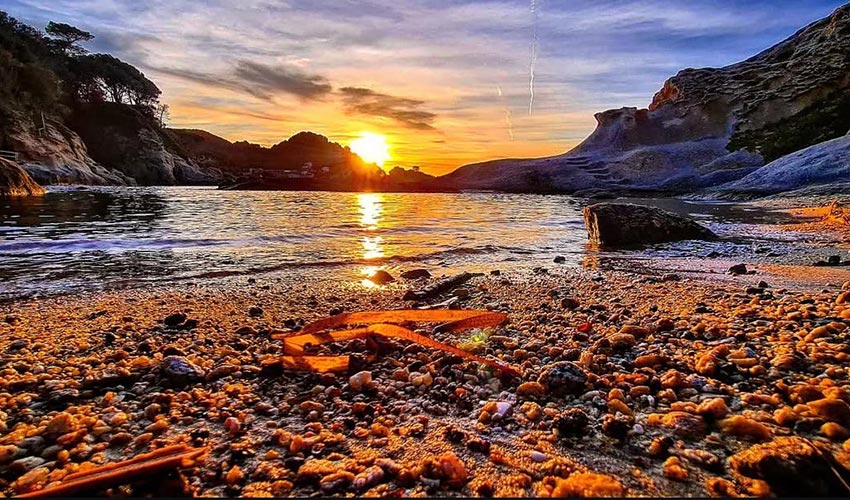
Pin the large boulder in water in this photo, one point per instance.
(618, 224)
(14, 181)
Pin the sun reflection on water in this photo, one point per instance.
(370, 209)
(370, 220)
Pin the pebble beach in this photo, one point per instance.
(630, 385)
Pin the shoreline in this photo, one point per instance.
(306, 434)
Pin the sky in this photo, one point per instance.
(447, 82)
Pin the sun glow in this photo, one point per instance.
(373, 148)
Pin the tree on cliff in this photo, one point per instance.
(67, 37)
(105, 76)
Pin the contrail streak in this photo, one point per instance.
(533, 7)
(508, 115)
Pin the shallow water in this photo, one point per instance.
(96, 238)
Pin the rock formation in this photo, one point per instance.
(14, 181)
(53, 154)
(621, 224)
(125, 139)
(705, 126)
(825, 165)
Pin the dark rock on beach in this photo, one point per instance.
(620, 224)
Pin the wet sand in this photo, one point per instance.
(645, 382)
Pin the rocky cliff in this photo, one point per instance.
(14, 181)
(127, 140)
(52, 153)
(705, 126)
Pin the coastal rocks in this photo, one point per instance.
(822, 164)
(791, 466)
(15, 181)
(619, 224)
(180, 371)
(381, 277)
(415, 274)
(51, 153)
(563, 378)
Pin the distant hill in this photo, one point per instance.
(325, 157)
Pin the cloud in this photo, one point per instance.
(259, 80)
(272, 79)
(359, 100)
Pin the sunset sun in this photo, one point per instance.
(373, 148)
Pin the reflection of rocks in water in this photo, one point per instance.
(58, 211)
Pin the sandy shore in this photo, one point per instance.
(631, 384)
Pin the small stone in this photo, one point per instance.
(62, 423)
(560, 259)
(245, 331)
(588, 485)
(616, 426)
(25, 464)
(448, 468)
(336, 481)
(234, 476)
(714, 408)
(255, 311)
(738, 269)
(570, 303)
(538, 456)
(360, 381)
(232, 425)
(571, 422)
(833, 410)
(415, 274)
(31, 480)
(741, 426)
(17, 345)
(527, 389)
(9, 452)
(180, 371)
(174, 319)
(835, 432)
(684, 424)
(381, 277)
(791, 466)
(675, 470)
(563, 377)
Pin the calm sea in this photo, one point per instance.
(98, 238)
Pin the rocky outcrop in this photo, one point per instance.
(128, 140)
(705, 126)
(622, 224)
(14, 181)
(53, 154)
(822, 165)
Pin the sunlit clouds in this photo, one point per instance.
(422, 72)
